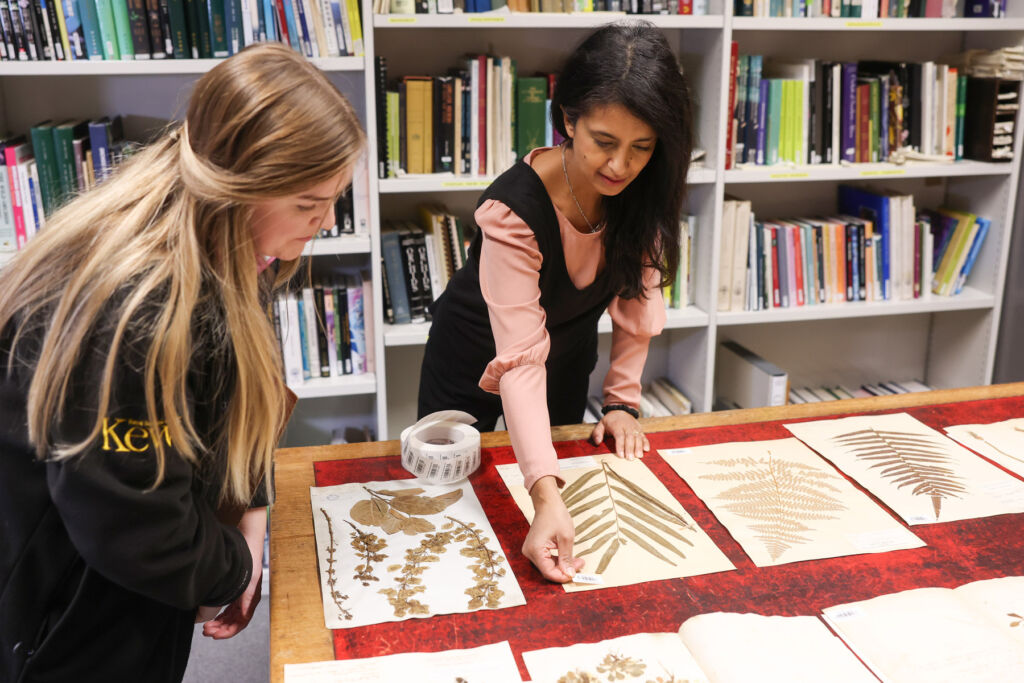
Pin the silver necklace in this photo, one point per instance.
(593, 228)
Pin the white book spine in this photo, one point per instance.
(291, 339)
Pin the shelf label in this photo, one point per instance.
(884, 172)
(401, 20)
(784, 176)
(863, 24)
(486, 20)
(465, 183)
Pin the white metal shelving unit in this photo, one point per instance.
(945, 341)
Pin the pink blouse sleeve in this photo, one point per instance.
(634, 322)
(510, 262)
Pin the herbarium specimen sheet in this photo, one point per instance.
(924, 476)
(488, 664)
(642, 657)
(971, 633)
(629, 528)
(394, 550)
(783, 503)
(1001, 442)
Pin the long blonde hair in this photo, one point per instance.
(170, 224)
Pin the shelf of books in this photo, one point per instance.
(148, 67)
(448, 182)
(864, 171)
(507, 19)
(346, 385)
(354, 244)
(855, 24)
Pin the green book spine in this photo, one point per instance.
(531, 94)
(774, 119)
(108, 32)
(876, 119)
(46, 163)
(64, 152)
(192, 21)
(218, 28)
(787, 148)
(393, 127)
(123, 29)
(179, 29)
(91, 30)
(961, 112)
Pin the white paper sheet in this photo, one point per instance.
(1000, 442)
(924, 476)
(395, 550)
(488, 664)
(783, 503)
(629, 528)
(641, 657)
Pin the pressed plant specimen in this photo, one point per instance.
(332, 574)
(486, 566)
(368, 547)
(398, 510)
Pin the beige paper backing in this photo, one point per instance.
(1001, 442)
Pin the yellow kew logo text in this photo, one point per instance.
(122, 435)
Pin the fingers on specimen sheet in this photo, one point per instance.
(395, 550)
(629, 528)
(782, 503)
(924, 476)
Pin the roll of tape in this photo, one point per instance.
(441, 448)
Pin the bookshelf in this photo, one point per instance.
(944, 341)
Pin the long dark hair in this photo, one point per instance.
(631, 64)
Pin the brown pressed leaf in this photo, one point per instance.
(646, 496)
(583, 507)
(608, 555)
(596, 532)
(391, 525)
(636, 538)
(647, 506)
(583, 495)
(417, 505)
(400, 492)
(654, 522)
(415, 525)
(368, 513)
(585, 524)
(448, 498)
(579, 483)
(596, 545)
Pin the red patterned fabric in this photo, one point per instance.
(957, 553)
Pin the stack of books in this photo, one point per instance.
(839, 392)
(43, 30)
(661, 398)
(679, 294)
(868, 9)
(695, 7)
(326, 330)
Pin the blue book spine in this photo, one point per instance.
(983, 225)
(548, 129)
(293, 32)
(100, 146)
(762, 120)
(306, 374)
(267, 11)
(395, 270)
(759, 275)
(357, 327)
(875, 208)
(73, 26)
(307, 44)
(91, 30)
(848, 113)
(853, 287)
(753, 98)
(32, 200)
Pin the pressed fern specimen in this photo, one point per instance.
(907, 459)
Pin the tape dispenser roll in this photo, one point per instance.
(442, 448)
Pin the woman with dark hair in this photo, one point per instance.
(565, 234)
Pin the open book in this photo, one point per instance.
(717, 647)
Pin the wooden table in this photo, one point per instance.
(297, 632)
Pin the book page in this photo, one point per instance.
(642, 656)
(1000, 442)
(488, 664)
(933, 634)
(629, 528)
(394, 550)
(924, 476)
(783, 503)
(738, 648)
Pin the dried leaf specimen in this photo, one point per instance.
(332, 575)
(394, 511)
(780, 494)
(409, 581)
(486, 567)
(627, 514)
(1019, 619)
(908, 459)
(367, 547)
(617, 667)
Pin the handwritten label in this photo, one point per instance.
(592, 579)
(1009, 492)
(465, 183)
(783, 176)
(884, 172)
(920, 519)
(401, 20)
(673, 451)
(487, 20)
(845, 614)
(878, 541)
(577, 463)
(863, 24)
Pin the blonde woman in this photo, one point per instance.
(141, 380)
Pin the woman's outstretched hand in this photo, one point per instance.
(630, 441)
(549, 543)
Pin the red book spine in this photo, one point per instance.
(20, 233)
(282, 22)
(917, 260)
(776, 294)
(730, 135)
(686, 6)
(863, 123)
(798, 264)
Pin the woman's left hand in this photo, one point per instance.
(630, 441)
(239, 613)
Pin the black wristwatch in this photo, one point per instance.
(623, 407)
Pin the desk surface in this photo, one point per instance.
(297, 632)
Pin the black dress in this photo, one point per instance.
(461, 343)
